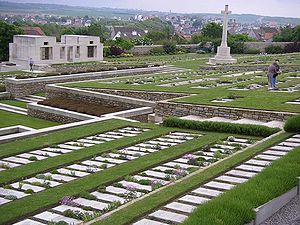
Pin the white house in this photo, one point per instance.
(44, 50)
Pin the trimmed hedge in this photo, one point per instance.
(292, 124)
(243, 129)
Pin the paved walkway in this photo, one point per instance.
(287, 215)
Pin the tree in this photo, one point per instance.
(7, 31)
(123, 44)
(199, 38)
(169, 47)
(212, 30)
(286, 34)
(157, 36)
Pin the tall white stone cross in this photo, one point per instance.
(223, 52)
(226, 12)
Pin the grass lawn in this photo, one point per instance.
(14, 103)
(259, 98)
(37, 201)
(13, 119)
(136, 210)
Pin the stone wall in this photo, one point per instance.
(261, 46)
(53, 91)
(228, 68)
(23, 87)
(146, 95)
(55, 114)
(145, 49)
(4, 95)
(165, 109)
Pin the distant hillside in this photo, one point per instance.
(65, 10)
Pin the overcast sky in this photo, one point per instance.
(286, 8)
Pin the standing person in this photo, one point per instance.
(272, 70)
(31, 64)
(276, 74)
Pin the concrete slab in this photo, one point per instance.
(88, 169)
(6, 192)
(207, 192)
(250, 168)
(59, 177)
(28, 222)
(276, 153)
(168, 216)
(110, 160)
(108, 197)
(281, 148)
(69, 147)
(49, 216)
(96, 163)
(196, 200)
(28, 155)
(9, 164)
(181, 165)
(122, 191)
(296, 140)
(240, 173)
(148, 222)
(230, 179)
(258, 162)
(45, 153)
(73, 172)
(181, 207)
(219, 185)
(267, 157)
(155, 174)
(290, 144)
(57, 150)
(50, 182)
(27, 186)
(136, 185)
(18, 160)
(4, 201)
(91, 203)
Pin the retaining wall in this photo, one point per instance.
(165, 109)
(227, 68)
(146, 49)
(261, 46)
(146, 95)
(23, 87)
(53, 91)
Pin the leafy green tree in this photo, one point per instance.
(199, 38)
(7, 31)
(212, 30)
(157, 36)
(286, 34)
(169, 47)
(123, 44)
(297, 33)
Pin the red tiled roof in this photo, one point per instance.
(33, 31)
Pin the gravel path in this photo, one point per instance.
(287, 215)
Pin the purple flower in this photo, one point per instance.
(189, 156)
(68, 200)
(130, 187)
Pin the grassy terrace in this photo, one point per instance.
(12, 119)
(14, 103)
(259, 98)
(136, 210)
(38, 201)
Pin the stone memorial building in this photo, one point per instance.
(44, 50)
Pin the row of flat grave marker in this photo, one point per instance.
(87, 167)
(178, 210)
(294, 102)
(132, 187)
(45, 153)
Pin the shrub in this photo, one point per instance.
(29, 191)
(243, 129)
(292, 124)
(293, 47)
(116, 51)
(2, 88)
(157, 51)
(169, 47)
(252, 51)
(274, 49)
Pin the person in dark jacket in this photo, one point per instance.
(273, 71)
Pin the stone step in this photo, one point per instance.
(168, 216)
(181, 207)
(13, 109)
(145, 222)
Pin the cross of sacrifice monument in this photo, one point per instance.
(223, 53)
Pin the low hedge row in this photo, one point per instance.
(243, 129)
(292, 124)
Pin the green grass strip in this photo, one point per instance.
(13, 119)
(38, 201)
(74, 156)
(44, 140)
(235, 206)
(142, 207)
(15, 103)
